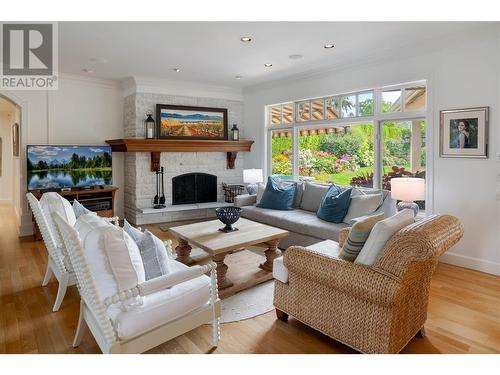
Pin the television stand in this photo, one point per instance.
(99, 199)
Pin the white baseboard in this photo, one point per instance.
(5, 200)
(472, 263)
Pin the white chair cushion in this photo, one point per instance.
(380, 234)
(164, 306)
(52, 202)
(328, 248)
(362, 205)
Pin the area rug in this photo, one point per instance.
(248, 303)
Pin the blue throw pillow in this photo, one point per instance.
(277, 196)
(335, 204)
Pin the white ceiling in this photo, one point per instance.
(212, 53)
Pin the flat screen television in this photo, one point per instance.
(57, 167)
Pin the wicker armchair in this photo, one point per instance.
(376, 309)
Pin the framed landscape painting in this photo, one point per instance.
(183, 122)
(464, 133)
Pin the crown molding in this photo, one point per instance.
(149, 85)
(91, 81)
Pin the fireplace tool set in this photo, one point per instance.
(159, 200)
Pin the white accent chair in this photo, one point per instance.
(58, 263)
(158, 323)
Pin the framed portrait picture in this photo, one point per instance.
(183, 122)
(464, 133)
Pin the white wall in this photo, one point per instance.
(81, 111)
(7, 159)
(462, 71)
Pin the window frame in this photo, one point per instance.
(377, 119)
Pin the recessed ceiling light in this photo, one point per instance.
(238, 77)
(177, 70)
(295, 57)
(87, 70)
(245, 39)
(268, 65)
(328, 46)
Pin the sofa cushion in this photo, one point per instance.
(327, 248)
(298, 221)
(278, 196)
(362, 205)
(381, 233)
(312, 196)
(357, 237)
(334, 205)
(164, 306)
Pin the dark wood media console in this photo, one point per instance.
(94, 199)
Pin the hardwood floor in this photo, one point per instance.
(464, 313)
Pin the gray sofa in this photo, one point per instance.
(304, 226)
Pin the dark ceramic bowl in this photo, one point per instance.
(228, 216)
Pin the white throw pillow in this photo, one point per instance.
(362, 205)
(79, 209)
(128, 270)
(52, 202)
(260, 191)
(86, 223)
(91, 229)
(381, 233)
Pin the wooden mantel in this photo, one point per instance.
(157, 146)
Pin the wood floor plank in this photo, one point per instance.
(463, 313)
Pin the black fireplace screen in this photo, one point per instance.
(194, 188)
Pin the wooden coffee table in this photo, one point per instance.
(218, 245)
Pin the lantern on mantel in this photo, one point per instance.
(235, 133)
(149, 126)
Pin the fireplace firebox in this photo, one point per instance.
(194, 188)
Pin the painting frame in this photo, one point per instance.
(163, 108)
(464, 133)
(15, 140)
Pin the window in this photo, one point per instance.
(415, 98)
(391, 101)
(348, 106)
(336, 154)
(348, 140)
(365, 104)
(287, 110)
(281, 151)
(403, 147)
(303, 111)
(332, 108)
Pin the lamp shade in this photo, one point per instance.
(252, 176)
(408, 189)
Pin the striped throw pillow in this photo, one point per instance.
(357, 237)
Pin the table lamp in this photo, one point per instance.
(408, 190)
(252, 177)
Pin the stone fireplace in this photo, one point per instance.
(139, 181)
